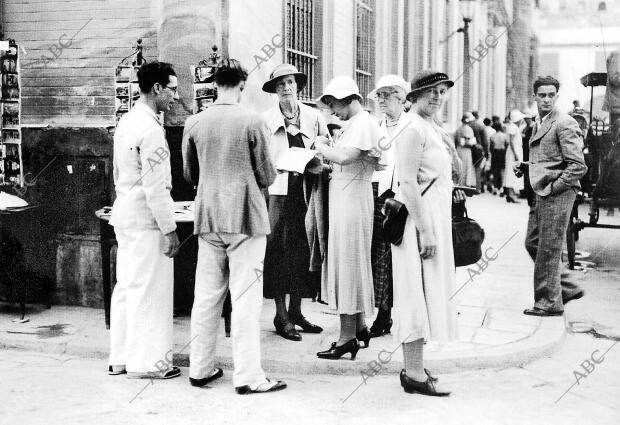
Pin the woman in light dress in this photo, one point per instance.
(423, 264)
(347, 283)
(514, 153)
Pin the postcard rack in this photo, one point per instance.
(11, 162)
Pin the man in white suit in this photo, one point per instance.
(143, 219)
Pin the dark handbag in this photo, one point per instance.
(467, 238)
(395, 215)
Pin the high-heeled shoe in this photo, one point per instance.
(363, 335)
(286, 330)
(335, 352)
(427, 387)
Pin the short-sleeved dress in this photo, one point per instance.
(510, 180)
(347, 283)
(422, 288)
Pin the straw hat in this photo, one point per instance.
(339, 87)
(283, 70)
(390, 80)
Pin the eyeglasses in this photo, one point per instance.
(384, 95)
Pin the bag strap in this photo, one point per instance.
(429, 186)
(423, 192)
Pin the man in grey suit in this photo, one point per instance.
(555, 167)
(225, 152)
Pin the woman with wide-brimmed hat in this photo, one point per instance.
(290, 268)
(347, 282)
(389, 95)
(423, 264)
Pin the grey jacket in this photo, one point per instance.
(226, 149)
(556, 156)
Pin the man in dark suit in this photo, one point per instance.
(555, 167)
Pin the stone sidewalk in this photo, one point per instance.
(490, 299)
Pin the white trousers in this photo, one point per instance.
(235, 262)
(141, 309)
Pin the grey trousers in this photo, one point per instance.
(546, 232)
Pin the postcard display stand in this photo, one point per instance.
(11, 162)
(205, 92)
(126, 89)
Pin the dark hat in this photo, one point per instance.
(429, 78)
(281, 71)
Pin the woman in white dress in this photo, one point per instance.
(514, 153)
(347, 283)
(423, 271)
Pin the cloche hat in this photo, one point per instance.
(390, 80)
(281, 71)
(339, 87)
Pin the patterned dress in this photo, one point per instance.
(347, 283)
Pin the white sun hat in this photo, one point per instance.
(339, 87)
(516, 116)
(390, 80)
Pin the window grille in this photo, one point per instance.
(365, 46)
(300, 42)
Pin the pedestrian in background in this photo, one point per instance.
(480, 152)
(143, 220)
(499, 143)
(514, 154)
(288, 266)
(464, 140)
(347, 285)
(226, 154)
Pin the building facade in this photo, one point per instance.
(70, 49)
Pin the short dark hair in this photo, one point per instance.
(230, 73)
(475, 114)
(154, 72)
(346, 100)
(497, 126)
(546, 81)
(486, 121)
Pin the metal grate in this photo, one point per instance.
(365, 47)
(300, 43)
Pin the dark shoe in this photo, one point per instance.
(286, 330)
(113, 372)
(364, 335)
(267, 387)
(201, 382)
(542, 313)
(576, 296)
(511, 200)
(378, 329)
(306, 326)
(334, 353)
(427, 387)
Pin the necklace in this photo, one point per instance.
(391, 123)
(292, 117)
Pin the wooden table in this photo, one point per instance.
(184, 216)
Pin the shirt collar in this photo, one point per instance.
(306, 122)
(143, 108)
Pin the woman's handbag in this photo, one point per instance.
(467, 238)
(396, 215)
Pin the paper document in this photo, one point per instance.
(296, 159)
